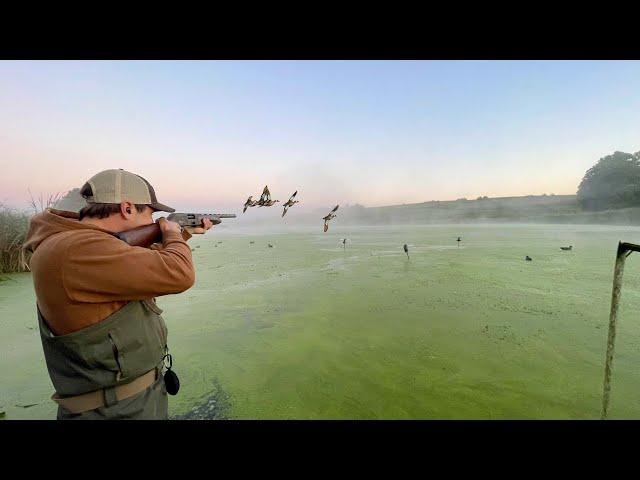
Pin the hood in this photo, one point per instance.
(50, 222)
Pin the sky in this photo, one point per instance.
(207, 134)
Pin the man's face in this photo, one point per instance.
(137, 219)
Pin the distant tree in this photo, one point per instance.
(613, 182)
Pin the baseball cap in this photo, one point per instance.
(118, 185)
(72, 202)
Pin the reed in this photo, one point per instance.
(14, 225)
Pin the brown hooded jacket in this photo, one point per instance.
(82, 273)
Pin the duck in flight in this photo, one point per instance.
(289, 203)
(265, 198)
(249, 203)
(329, 217)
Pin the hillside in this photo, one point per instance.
(559, 209)
(507, 209)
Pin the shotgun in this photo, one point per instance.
(146, 235)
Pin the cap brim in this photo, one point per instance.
(159, 207)
(72, 202)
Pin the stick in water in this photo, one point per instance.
(624, 250)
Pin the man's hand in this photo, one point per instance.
(206, 225)
(167, 226)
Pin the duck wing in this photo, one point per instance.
(266, 195)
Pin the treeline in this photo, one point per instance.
(612, 183)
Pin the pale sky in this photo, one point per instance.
(208, 134)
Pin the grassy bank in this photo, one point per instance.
(13, 230)
(14, 225)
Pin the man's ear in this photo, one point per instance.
(126, 209)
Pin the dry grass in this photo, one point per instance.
(14, 225)
(13, 230)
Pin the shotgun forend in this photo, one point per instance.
(195, 219)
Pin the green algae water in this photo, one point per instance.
(310, 329)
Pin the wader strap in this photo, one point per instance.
(108, 396)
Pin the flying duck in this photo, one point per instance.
(289, 203)
(329, 217)
(249, 203)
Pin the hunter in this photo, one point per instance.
(103, 335)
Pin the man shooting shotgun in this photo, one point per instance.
(103, 336)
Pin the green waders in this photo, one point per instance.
(113, 352)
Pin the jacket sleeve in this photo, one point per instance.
(106, 269)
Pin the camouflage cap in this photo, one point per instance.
(117, 186)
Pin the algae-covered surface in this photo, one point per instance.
(309, 329)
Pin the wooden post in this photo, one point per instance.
(624, 250)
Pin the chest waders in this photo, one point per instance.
(103, 357)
